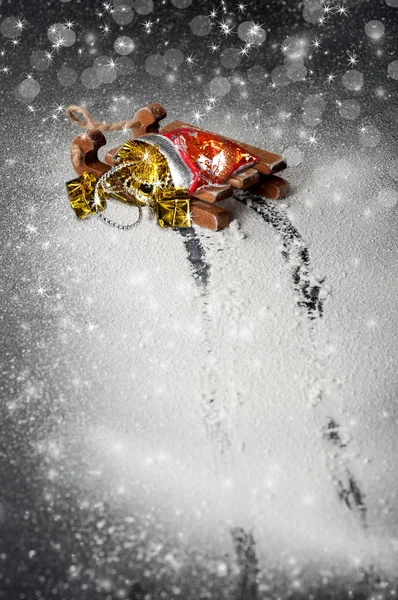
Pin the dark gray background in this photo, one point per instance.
(40, 543)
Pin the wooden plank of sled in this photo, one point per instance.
(209, 216)
(269, 161)
(84, 153)
(272, 187)
(213, 194)
(244, 179)
(109, 156)
(147, 119)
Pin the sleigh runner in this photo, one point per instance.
(259, 176)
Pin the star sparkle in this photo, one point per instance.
(342, 10)
(92, 327)
(254, 30)
(352, 59)
(213, 13)
(59, 43)
(197, 116)
(225, 28)
(316, 43)
(244, 51)
(112, 64)
(107, 6)
(148, 25)
(20, 25)
(190, 60)
(42, 291)
(105, 28)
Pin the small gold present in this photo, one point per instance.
(173, 208)
(81, 195)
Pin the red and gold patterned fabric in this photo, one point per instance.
(210, 158)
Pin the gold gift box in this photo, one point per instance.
(81, 195)
(173, 208)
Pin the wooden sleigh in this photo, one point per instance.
(260, 179)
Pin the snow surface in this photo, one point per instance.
(227, 404)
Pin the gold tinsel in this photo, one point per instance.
(149, 172)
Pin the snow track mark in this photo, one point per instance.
(197, 257)
(310, 292)
(201, 271)
(245, 550)
(348, 488)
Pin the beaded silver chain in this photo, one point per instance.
(119, 225)
(105, 219)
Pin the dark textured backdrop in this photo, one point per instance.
(46, 547)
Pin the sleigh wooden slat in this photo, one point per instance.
(272, 187)
(208, 215)
(214, 194)
(244, 179)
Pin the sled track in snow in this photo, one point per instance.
(245, 550)
(200, 269)
(197, 257)
(308, 289)
(348, 488)
(310, 294)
